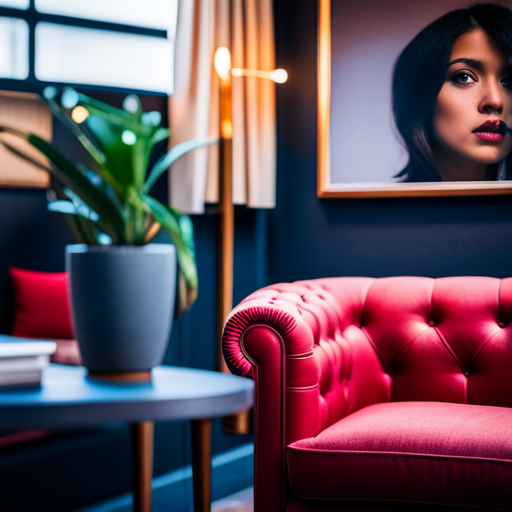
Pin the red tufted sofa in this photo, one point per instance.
(379, 393)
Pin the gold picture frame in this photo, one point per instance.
(326, 186)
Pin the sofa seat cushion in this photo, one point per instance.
(427, 452)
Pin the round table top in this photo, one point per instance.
(68, 397)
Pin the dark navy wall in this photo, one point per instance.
(311, 237)
(307, 238)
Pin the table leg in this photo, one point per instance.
(142, 465)
(202, 463)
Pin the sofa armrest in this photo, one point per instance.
(290, 338)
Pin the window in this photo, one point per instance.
(159, 14)
(118, 44)
(16, 4)
(13, 48)
(101, 57)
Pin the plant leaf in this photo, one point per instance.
(89, 144)
(92, 195)
(118, 154)
(126, 160)
(186, 226)
(112, 220)
(160, 135)
(82, 226)
(141, 151)
(80, 207)
(181, 235)
(115, 115)
(171, 156)
(22, 155)
(75, 129)
(81, 220)
(62, 206)
(83, 234)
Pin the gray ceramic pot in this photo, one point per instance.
(122, 301)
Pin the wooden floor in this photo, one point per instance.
(240, 502)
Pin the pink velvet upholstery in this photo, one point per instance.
(425, 351)
(431, 452)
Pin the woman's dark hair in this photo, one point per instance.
(419, 75)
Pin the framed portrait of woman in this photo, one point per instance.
(364, 149)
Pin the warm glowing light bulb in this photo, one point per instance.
(222, 62)
(226, 129)
(79, 114)
(279, 76)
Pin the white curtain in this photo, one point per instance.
(246, 28)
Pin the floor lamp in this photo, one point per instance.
(240, 423)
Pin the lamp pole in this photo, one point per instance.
(239, 423)
(222, 61)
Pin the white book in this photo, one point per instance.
(23, 364)
(19, 379)
(22, 361)
(11, 346)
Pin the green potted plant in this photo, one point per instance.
(122, 287)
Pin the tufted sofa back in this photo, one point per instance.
(446, 339)
(351, 342)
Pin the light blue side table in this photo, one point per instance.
(69, 398)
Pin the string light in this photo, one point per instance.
(79, 114)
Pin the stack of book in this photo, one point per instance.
(22, 361)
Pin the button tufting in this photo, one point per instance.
(501, 324)
(467, 374)
(431, 323)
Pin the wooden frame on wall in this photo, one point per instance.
(327, 186)
(26, 113)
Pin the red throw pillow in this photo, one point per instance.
(41, 304)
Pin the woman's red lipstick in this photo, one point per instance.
(492, 131)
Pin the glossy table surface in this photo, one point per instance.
(69, 397)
